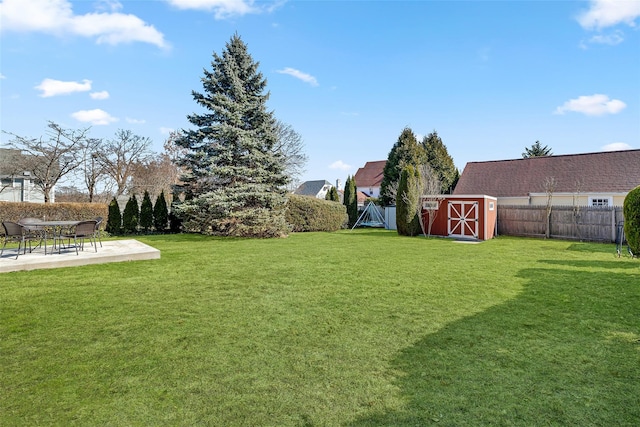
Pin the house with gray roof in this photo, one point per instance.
(317, 189)
(589, 179)
(16, 184)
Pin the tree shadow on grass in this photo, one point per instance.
(625, 264)
(564, 352)
(604, 248)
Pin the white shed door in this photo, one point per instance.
(463, 219)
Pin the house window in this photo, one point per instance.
(492, 206)
(599, 202)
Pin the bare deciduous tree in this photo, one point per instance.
(93, 172)
(121, 156)
(290, 147)
(155, 175)
(577, 211)
(549, 186)
(429, 189)
(48, 161)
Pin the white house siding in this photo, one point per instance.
(22, 190)
(370, 191)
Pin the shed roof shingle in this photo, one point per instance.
(604, 172)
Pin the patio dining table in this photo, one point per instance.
(51, 228)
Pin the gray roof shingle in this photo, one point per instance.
(311, 188)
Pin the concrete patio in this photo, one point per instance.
(111, 251)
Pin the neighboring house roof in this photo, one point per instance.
(371, 174)
(604, 172)
(360, 196)
(311, 188)
(8, 161)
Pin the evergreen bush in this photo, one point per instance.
(351, 200)
(114, 220)
(146, 213)
(631, 211)
(306, 213)
(131, 215)
(407, 221)
(160, 213)
(333, 195)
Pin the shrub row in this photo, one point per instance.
(135, 218)
(14, 211)
(310, 214)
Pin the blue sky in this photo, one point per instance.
(491, 77)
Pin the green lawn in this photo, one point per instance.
(360, 328)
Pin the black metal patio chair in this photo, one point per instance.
(97, 232)
(35, 231)
(14, 232)
(81, 231)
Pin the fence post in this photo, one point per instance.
(613, 224)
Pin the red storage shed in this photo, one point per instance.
(461, 216)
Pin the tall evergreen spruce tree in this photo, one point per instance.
(406, 151)
(235, 184)
(440, 161)
(160, 213)
(537, 150)
(146, 212)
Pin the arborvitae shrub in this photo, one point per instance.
(131, 215)
(351, 200)
(146, 213)
(333, 195)
(407, 221)
(310, 214)
(160, 214)
(114, 221)
(631, 210)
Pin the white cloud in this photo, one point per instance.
(51, 87)
(608, 13)
(307, 78)
(226, 8)
(99, 95)
(2, 76)
(594, 105)
(610, 39)
(57, 17)
(617, 146)
(135, 121)
(339, 164)
(166, 131)
(95, 117)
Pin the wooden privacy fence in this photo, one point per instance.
(597, 224)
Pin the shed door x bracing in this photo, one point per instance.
(463, 219)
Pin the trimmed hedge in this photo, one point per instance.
(631, 211)
(13, 211)
(310, 214)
